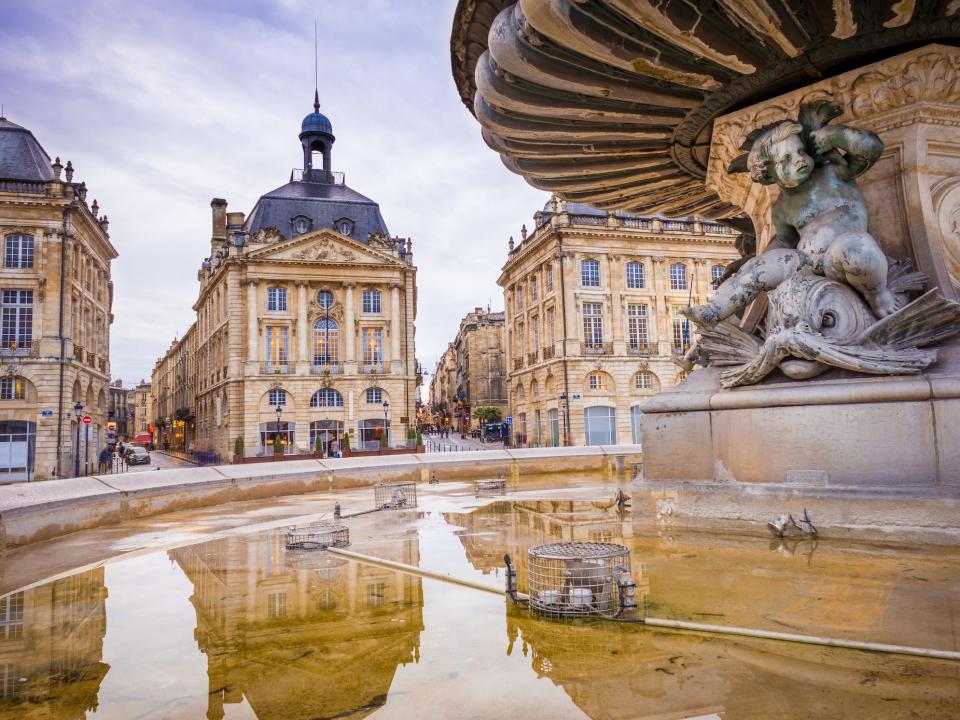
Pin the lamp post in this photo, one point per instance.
(386, 408)
(279, 413)
(77, 409)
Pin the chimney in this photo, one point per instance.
(219, 207)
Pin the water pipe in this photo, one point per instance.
(792, 637)
(683, 625)
(418, 571)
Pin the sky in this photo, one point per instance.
(163, 106)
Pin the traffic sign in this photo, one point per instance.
(87, 419)
(509, 421)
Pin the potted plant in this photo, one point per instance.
(345, 445)
(419, 438)
(411, 437)
(318, 446)
(238, 450)
(277, 445)
(383, 439)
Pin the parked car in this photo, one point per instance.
(136, 455)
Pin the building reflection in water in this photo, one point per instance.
(514, 527)
(51, 648)
(301, 635)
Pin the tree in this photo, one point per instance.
(486, 414)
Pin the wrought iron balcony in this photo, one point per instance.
(517, 363)
(548, 352)
(326, 369)
(275, 368)
(596, 348)
(372, 368)
(532, 357)
(639, 348)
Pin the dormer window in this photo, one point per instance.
(301, 224)
(344, 226)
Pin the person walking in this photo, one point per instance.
(104, 460)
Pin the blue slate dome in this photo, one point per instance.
(316, 122)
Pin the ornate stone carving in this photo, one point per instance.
(267, 235)
(834, 300)
(324, 249)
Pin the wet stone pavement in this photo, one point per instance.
(232, 625)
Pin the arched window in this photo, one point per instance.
(326, 342)
(678, 276)
(344, 226)
(716, 272)
(589, 273)
(634, 275)
(326, 397)
(519, 392)
(600, 425)
(277, 397)
(534, 389)
(644, 380)
(374, 396)
(597, 380)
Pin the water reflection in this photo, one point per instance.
(51, 648)
(301, 634)
(515, 527)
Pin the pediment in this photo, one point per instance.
(323, 246)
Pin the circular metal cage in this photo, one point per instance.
(576, 579)
(316, 537)
(395, 495)
(490, 487)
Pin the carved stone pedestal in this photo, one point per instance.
(865, 455)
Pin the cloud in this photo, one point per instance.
(163, 106)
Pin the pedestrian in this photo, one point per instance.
(104, 460)
(335, 447)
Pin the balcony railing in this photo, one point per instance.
(372, 368)
(326, 369)
(588, 219)
(548, 352)
(639, 348)
(532, 357)
(517, 363)
(596, 348)
(275, 368)
(24, 348)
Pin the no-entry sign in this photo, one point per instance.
(86, 419)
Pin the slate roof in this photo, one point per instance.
(323, 203)
(21, 156)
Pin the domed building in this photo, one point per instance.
(305, 323)
(56, 300)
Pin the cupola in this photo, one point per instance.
(316, 135)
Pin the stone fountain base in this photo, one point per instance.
(866, 455)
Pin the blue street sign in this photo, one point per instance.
(46, 413)
(509, 421)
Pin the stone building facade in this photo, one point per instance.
(142, 412)
(592, 318)
(472, 371)
(57, 298)
(306, 307)
(119, 410)
(174, 397)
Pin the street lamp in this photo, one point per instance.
(77, 409)
(279, 413)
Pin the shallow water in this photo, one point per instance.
(236, 627)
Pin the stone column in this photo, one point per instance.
(349, 329)
(303, 332)
(253, 328)
(395, 330)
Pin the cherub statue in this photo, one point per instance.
(820, 217)
(833, 298)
